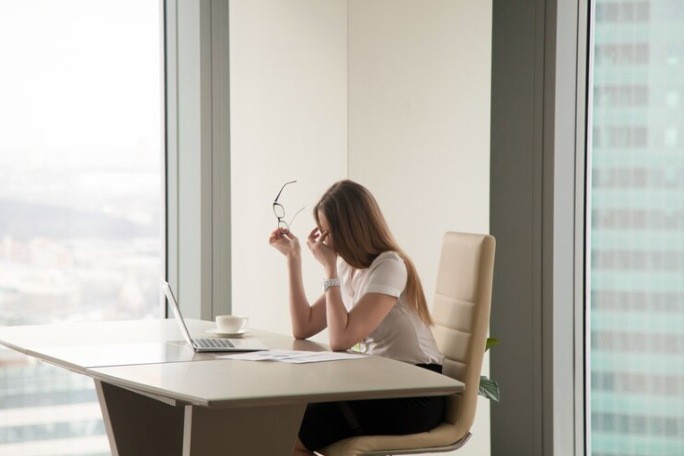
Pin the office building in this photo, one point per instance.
(637, 230)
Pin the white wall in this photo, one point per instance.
(419, 108)
(288, 122)
(394, 94)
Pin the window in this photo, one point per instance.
(621, 95)
(617, 12)
(636, 326)
(622, 54)
(81, 233)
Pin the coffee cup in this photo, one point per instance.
(230, 324)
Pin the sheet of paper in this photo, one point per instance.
(293, 356)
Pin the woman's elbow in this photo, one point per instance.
(341, 345)
(299, 334)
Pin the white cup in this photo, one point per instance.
(230, 324)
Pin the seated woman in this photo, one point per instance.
(372, 296)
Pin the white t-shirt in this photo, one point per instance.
(402, 335)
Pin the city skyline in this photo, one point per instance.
(81, 199)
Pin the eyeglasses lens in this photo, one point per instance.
(278, 210)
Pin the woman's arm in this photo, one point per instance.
(306, 320)
(347, 329)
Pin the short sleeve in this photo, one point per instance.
(387, 275)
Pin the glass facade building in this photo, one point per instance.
(636, 277)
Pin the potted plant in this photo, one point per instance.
(488, 387)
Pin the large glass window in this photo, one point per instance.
(81, 235)
(636, 276)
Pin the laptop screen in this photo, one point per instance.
(176, 312)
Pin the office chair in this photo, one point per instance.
(461, 323)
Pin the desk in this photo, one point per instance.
(159, 397)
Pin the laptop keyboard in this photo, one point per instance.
(214, 343)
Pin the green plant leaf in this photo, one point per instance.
(491, 342)
(489, 389)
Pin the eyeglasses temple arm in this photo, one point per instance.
(281, 190)
(294, 216)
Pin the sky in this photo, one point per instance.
(80, 83)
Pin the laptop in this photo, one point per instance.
(210, 344)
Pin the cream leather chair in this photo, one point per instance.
(461, 316)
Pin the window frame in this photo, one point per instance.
(198, 156)
(539, 78)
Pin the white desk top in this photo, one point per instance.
(149, 356)
(234, 383)
(80, 346)
(22, 338)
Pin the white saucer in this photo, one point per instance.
(216, 332)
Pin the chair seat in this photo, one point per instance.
(440, 439)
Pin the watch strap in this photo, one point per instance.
(327, 283)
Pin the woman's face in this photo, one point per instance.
(324, 229)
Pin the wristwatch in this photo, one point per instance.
(327, 283)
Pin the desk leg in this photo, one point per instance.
(248, 431)
(138, 425)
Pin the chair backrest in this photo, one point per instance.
(461, 315)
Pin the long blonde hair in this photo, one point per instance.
(360, 234)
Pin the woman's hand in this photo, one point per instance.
(323, 253)
(286, 243)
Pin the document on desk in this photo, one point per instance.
(293, 356)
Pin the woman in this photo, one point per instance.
(373, 296)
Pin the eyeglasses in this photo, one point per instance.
(279, 211)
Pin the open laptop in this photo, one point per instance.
(210, 344)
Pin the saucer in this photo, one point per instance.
(216, 332)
